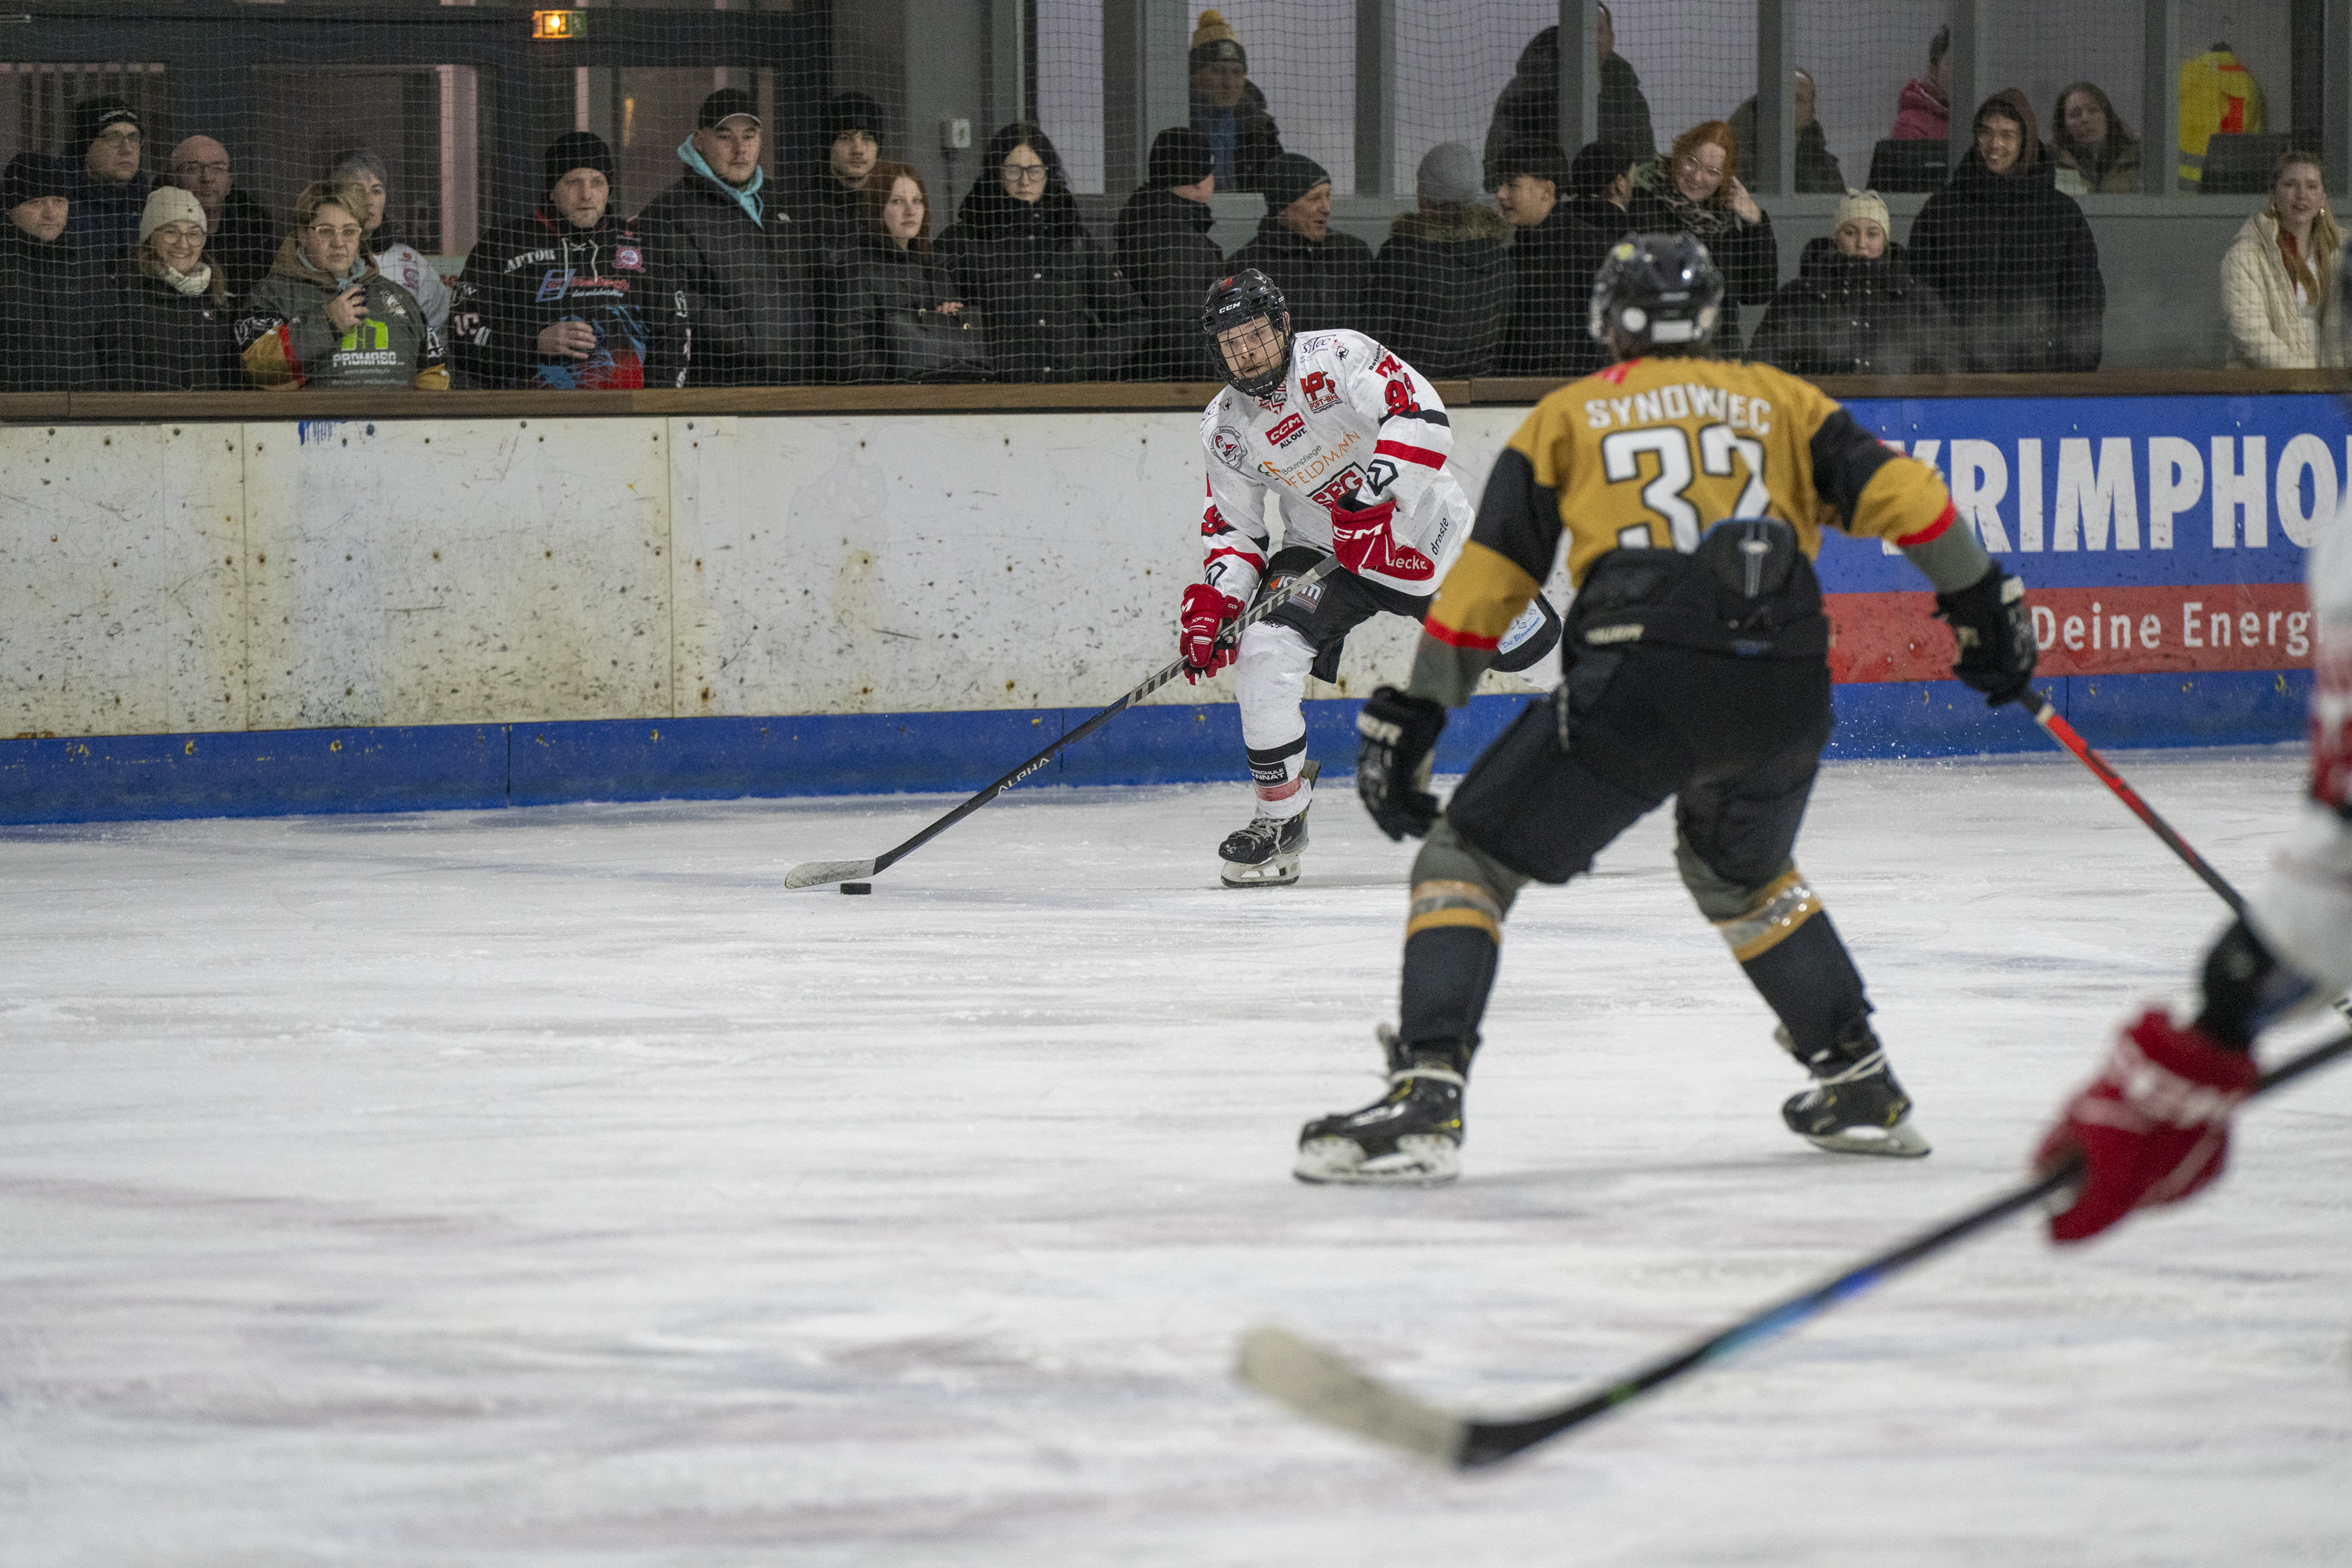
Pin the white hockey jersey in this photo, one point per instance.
(1350, 419)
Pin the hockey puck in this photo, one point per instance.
(857, 887)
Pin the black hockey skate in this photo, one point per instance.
(1409, 1137)
(1265, 854)
(1855, 1105)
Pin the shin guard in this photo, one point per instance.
(1791, 954)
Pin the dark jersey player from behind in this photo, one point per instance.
(1691, 495)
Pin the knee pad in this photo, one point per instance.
(1456, 884)
(1269, 680)
(1761, 918)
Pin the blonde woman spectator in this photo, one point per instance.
(327, 317)
(2278, 280)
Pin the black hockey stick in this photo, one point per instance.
(1318, 1382)
(816, 873)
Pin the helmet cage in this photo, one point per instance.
(1247, 296)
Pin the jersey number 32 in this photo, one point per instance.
(1668, 494)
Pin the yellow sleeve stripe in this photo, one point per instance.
(1906, 497)
(1482, 596)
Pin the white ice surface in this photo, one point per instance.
(553, 1186)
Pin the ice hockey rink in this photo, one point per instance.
(553, 1187)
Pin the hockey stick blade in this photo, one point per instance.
(1320, 1383)
(1324, 1387)
(817, 873)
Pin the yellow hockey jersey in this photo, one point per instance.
(1652, 452)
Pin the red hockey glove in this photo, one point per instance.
(2152, 1128)
(1361, 538)
(1206, 611)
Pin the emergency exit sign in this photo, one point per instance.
(558, 24)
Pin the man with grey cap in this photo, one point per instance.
(1322, 272)
(749, 308)
(1441, 290)
(46, 300)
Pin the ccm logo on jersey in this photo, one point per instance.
(1283, 432)
(1226, 443)
(1320, 391)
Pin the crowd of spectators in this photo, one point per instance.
(111, 279)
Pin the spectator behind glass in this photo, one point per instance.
(1528, 109)
(1923, 110)
(2096, 153)
(1228, 108)
(1853, 307)
(825, 195)
(559, 298)
(327, 317)
(1692, 188)
(48, 325)
(1554, 255)
(1440, 292)
(1601, 185)
(110, 190)
(1161, 243)
(1051, 305)
(1324, 274)
(2012, 260)
(2279, 278)
(394, 257)
(751, 279)
(895, 305)
(1817, 168)
(164, 322)
(244, 236)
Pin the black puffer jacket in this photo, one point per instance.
(1552, 264)
(1442, 289)
(818, 199)
(2016, 267)
(48, 315)
(1257, 141)
(1052, 304)
(1528, 109)
(751, 293)
(1747, 253)
(887, 307)
(1164, 248)
(155, 339)
(1854, 315)
(1326, 282)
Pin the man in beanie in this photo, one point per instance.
(1553, 258)
(561, 296)
(1162, 245)
(1228, 108)
(109, 195)
(244, 236)
(824, 196)
(745, 272)
(1323, 274)
(49, 341)
(1441, 290)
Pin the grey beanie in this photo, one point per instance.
(1449, 173)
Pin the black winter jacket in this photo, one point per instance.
(816, 198)
(1325, 282)
(2016, 267)
(530, 274)
(1257, 141)
(155, 339)
(1442, 289)
(1528, 109)
(48, 316)
(750, 311)
(243, 244)
(886, 307)
(1852, 315)
(1162, 245)
(1051, 303)
(1552, 264)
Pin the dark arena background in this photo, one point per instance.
(486, 491)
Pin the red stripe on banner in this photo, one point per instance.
(2174, 628)
(1453, 639)
(1422, 454)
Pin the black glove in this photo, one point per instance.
(1393, 764)
(1995, 633)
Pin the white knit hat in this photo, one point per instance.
(1862, 205)
(168, 204)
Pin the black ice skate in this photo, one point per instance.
(1855, 1105)
(1409, 1137)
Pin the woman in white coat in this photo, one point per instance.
(2278, 279)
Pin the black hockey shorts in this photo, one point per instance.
(1330, 609)
(1736, 739)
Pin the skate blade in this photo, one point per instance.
(1421, 1160)
(1280, 872)
(1900, 1141)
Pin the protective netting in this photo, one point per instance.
(650, 196)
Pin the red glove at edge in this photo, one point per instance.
(1206, 611)
(1361, 538)
(2152, 1128)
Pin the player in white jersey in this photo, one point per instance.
(1352, 444)
(2154, 1126)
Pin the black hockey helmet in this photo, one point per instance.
(1247, 295)
(1658, 290)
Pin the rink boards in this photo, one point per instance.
(261, 618)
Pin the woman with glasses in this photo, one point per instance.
(164, 316)
(1691, 189)
(326, 316)
(1049, 302)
